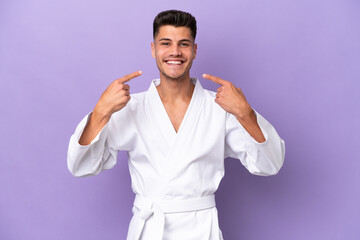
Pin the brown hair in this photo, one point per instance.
(174, 18)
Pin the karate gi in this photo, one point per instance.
(175, 175)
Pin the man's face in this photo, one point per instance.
(174, 50)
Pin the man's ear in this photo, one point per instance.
(195, 50)
(153, 49)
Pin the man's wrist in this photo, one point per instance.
(99, 115)
(246, 115)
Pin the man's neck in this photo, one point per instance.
(171, 90)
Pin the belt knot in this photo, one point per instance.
(146, 210)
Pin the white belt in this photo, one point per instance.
(158, 208)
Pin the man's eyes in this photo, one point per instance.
(181, 44)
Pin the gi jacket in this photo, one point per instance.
(175, 174)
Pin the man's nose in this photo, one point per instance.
(175, 51)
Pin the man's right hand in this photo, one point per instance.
(113, 99)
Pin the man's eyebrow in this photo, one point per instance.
(185, 40)
(168, 39)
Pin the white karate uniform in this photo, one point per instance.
(175, 175)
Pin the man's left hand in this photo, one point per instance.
(231, 98)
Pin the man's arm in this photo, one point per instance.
(251, 126)
(90, 148)
(260, 155)
(113, 99)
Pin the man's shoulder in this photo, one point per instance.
(209, 93)
(136, 99)
(134, 105)
(138, 96)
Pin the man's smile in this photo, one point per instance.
(174, 61)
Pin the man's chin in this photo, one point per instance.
(175, 77)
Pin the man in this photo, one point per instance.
(177, 135)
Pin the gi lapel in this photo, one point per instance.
(170, 140)
(159, 114)
(188, 124)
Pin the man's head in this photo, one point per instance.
(174, 45)
(174, 18)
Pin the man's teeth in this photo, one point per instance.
(174, 62)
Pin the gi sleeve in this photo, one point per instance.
(93, 158)
(262, 159)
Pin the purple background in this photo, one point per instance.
(296, 61)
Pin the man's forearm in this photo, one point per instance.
(251, 126)
(93, 127)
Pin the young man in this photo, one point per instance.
(177, 135)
